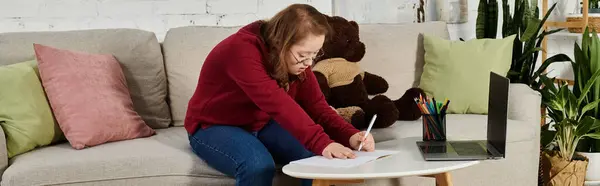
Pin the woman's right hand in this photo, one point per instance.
(336, 150)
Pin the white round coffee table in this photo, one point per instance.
(408, 162)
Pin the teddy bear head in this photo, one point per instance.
(344, 42)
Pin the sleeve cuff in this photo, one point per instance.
(344, 137)
(320, 146)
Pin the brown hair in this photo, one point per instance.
(285, 29)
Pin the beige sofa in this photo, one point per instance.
(393, 51)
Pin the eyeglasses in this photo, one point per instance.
(305, 61)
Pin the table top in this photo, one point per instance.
(407, 162)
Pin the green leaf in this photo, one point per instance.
(549, 83)
(593, 135)
(585, 125)
(492, 19)
(572, 106)
(590, 106)
(588, 85)
(594, 52)
(544, 33)
(481, 19)
(549, 61)
(532, 30)
(507, 22)
(585, 42)
(546, 17)
(596, 125)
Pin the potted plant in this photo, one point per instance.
(589, 148)
(574, 114)
(560, 164)
(587, 62)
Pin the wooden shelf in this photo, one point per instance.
(557, 24)
(582, 24)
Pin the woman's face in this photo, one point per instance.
(302, 53)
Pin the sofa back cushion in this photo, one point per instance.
(138, 52)
(393, 51)
(185, 49)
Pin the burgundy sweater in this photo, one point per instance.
(235, 89)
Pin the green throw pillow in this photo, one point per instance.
(459, 70)
(25, 114)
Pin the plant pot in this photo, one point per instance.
(594, 10)
(560, 171)
(593, 168)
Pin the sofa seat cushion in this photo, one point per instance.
(458, 127)
(163, 155)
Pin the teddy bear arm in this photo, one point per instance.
(375, 84)
(323, 84)
(409, 110)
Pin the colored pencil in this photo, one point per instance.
(434, 115)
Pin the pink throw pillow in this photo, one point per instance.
(89, 97)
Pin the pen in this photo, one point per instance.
(368, 130)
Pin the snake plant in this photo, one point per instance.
(526, 24)
(487, 19)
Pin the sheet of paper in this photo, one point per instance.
(361, 158)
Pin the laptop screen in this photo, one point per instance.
(497, 111)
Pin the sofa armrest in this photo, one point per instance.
(524, 104)
(3, 153)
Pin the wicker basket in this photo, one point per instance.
(593, 22)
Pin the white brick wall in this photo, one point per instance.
(160, 15)
(153, 15)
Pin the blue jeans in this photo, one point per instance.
(249, 157)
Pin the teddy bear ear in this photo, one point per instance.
(353, 23)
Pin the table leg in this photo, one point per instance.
(441, 179)
(333, 182)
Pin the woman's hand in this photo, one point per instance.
(336, 150)
(368, 144)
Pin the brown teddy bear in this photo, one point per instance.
(347, 87)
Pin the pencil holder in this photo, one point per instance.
(434, 127)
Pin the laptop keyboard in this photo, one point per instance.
(434, 148)
(468, 148)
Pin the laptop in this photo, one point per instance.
(491, 148)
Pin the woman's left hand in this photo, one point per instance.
(368, 143)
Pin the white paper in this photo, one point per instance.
(361, 158)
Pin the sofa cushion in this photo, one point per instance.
(89, 115)
(165, 154)
(138, 51)
(165, 158)
(185, 49)
(25, 114)
(395, 52)
(460, 70)
(459, 126)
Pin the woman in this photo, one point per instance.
(257, 103)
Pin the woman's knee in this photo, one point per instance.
(258, 166)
